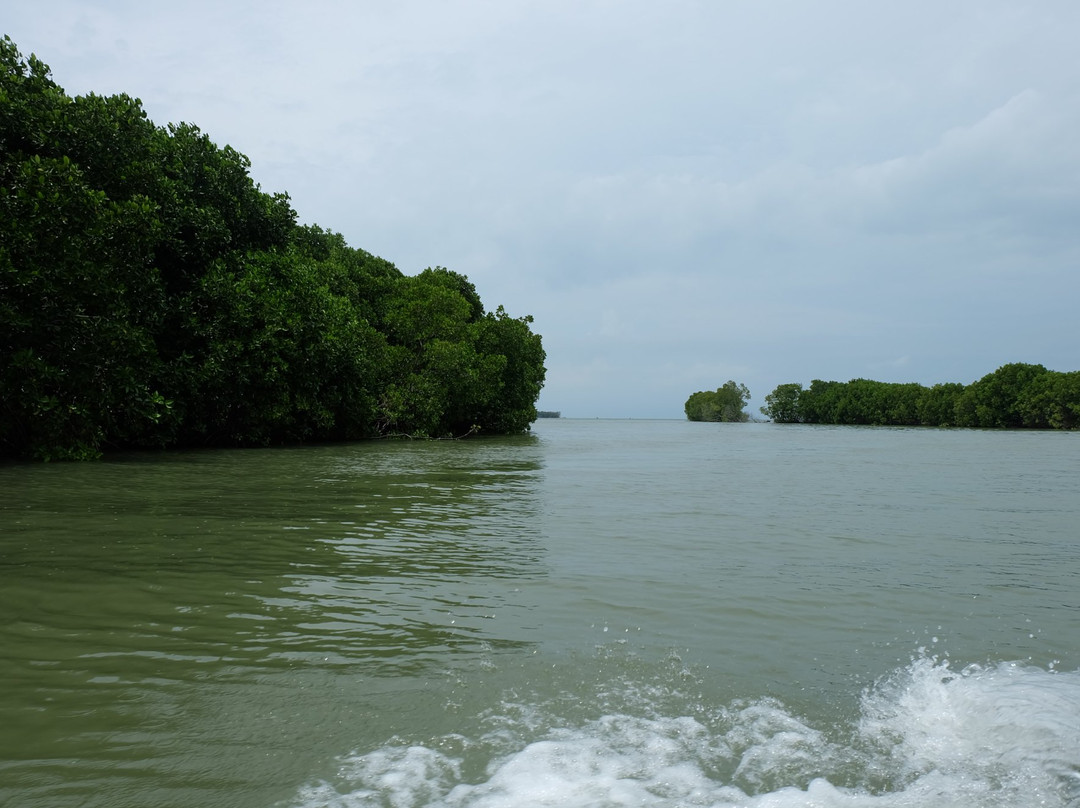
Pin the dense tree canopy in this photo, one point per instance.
(151, 294)
(726, 403)
(1014, 396)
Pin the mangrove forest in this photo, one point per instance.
(152, 295)
(1015, 396)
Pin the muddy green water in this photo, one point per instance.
(599, 613)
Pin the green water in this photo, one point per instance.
(229, 627)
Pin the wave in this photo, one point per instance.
(1005, 734)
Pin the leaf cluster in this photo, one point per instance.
(152, 295)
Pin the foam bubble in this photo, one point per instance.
(1013, 727)
(981, 737)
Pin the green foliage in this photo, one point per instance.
(511, 403)
(818, 403)
(282, 358)
(451, 372)
(1051, 400)
(152, 295)
(1013, 396)
(996, 399)
(936, 406)
(454, 282)
(782, 404)
(78, 313)
(726, 403)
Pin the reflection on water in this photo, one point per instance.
(147, 597)
(251, 558)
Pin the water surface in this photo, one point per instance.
(600, 613)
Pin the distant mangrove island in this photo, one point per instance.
(726, 403)
(1015, 396)
(152, 295)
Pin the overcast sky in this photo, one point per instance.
(680, 192)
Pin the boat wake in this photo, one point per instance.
(927, 735)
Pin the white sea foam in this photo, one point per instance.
(1002, 735)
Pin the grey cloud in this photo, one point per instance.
(681, 193)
